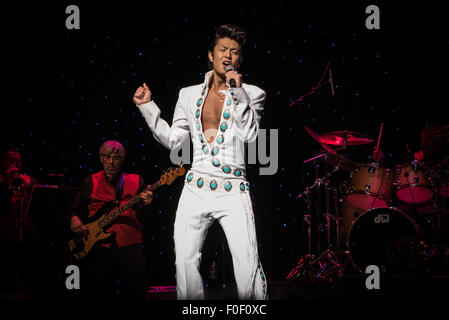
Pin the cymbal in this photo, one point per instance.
(316, 136)
(345, 138)
(333, 159)
(340, 160)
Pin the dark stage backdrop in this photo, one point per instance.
(65, 92)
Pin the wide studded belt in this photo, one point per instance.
(214, 184)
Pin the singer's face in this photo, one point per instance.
(226, 51)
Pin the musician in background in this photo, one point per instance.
(15, 190)
(123, 256)
(434, 157)
(434, 143)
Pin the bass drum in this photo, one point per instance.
(385, 237)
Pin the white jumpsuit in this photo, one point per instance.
(215, 187)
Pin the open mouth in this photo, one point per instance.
(226, 63)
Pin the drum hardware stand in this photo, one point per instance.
(317, 183)
(308, 221)
(329, 266)
(338, 220)
(307, 218)
(305, 270)
(325, 266)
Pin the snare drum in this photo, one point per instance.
(385, 237)
(413, 186)
(371, 186)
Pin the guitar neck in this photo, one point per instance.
(131, 203)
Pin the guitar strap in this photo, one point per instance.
(119, 188)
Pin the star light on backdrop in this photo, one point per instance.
(74, 89)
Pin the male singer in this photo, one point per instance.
(220, 114)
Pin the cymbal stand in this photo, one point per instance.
(305, 270)
(325, 266)
(317, 183)
(308, 221)
(338, 220)
(329, 268)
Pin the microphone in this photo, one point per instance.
(17, 183)
(232, 81)
(331, 80)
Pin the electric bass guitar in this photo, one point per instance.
(82, 243)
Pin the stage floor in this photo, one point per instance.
(345, 287)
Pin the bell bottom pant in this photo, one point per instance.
(197, 210)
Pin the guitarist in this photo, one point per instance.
(124, 254)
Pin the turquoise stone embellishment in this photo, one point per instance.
(213, 184)
(226, 169)
(216, 163)
(214, 151)
(201, 138)
(238, 172)
(197, 113)
(205, 149)
(228, 186)
(226, 114)
(247, 186)
(223, 126)
(197, 126)
(199, 102)
(228, 102)
(199, 182)
(190, 177)
(242, 188)
(220, 138)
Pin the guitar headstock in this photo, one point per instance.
(171, 174)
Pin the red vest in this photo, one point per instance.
(126, 227)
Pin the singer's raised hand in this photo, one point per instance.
(142, 95)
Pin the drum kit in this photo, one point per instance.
(370, 214)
